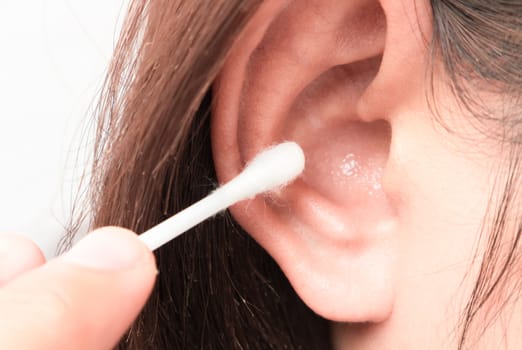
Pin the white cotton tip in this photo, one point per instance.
(269, 170)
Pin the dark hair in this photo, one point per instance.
(217, 288)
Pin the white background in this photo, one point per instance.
(53, 56)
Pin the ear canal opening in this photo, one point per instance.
(345, 154)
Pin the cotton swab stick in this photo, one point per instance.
(270, 169)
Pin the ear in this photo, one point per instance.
(323, 74)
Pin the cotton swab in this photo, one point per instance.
(270, 169)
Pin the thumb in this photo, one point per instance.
(85, 299)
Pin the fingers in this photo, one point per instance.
(17, 255)
(85, 299)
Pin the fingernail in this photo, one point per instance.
(109, 248)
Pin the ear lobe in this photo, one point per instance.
(301, 73)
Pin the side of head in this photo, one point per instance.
(402, 167)
(409, 126)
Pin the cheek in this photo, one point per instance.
(438, 180)
(441, 185)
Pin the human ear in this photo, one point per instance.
(321, 73)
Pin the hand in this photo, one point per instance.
(84, 299)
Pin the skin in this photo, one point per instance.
(62, 304)
(379, 234)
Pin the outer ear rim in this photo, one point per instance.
(224, 129)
